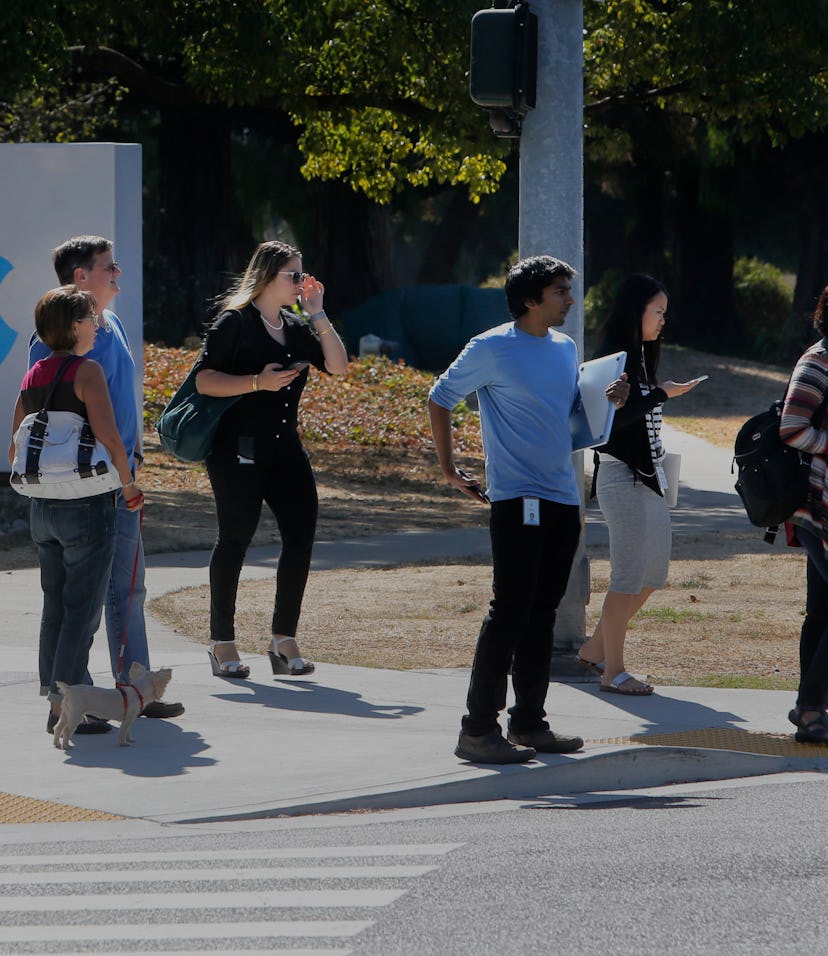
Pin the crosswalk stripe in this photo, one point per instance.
(201, 952)
(276, 853)
(144, 900)
(233, 932)
(143, 914)
(202, 875)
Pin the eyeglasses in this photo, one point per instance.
(297, 278)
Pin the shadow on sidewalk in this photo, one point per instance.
(161, 749)
(664, 714)
(310, 697)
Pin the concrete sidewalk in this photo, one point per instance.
(349, 737)
(356, 737)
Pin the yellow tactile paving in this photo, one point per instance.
(15, 809)
(724, 738)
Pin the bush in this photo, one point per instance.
(763, 301)
(599, 299)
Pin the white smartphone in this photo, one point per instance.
(701, 378)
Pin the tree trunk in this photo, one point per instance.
(804, 167)
(703, 311)
(440, 260)
(353, 254)
(808, 158)
(194, 221)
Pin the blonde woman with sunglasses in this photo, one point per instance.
(260, 348)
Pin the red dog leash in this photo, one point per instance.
(120, 685)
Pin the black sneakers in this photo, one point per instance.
(161, 710)
(546, 742)
(89, 724)
(491, 748)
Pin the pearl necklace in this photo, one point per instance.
(270, 325)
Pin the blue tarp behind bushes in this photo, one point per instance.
(430, 323)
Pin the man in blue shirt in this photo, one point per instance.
(87, 262)
(525, 374)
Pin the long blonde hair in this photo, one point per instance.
(265, 264)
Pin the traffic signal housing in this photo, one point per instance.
(504, 65)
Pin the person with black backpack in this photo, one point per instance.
(807, 527)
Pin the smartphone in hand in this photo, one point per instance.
(700, 378)
(475, 487)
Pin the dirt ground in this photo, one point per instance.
(730, 614)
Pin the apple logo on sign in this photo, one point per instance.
(7, 333)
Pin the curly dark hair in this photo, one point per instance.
(528, 278)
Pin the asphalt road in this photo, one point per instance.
(692, 869)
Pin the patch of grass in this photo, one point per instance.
(670, 615)
(698, 582)
(731, 681)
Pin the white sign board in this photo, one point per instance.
(50, 192)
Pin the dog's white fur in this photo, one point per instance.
(80, 699)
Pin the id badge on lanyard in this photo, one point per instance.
(531, 512)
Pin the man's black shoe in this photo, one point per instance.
(159, 709)
(546, 742)
(491, 748)
(89, 724)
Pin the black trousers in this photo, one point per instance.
(531, 566)
(281, 477)
(813, 639)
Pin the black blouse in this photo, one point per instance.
(238, 343)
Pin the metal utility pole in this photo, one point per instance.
(552, 223)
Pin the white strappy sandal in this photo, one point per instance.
(234, 669)
(295, 667)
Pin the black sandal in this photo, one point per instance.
(813, 731)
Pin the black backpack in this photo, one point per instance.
(773, 478)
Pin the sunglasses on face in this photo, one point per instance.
(297, 278)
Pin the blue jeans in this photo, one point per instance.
(119, 611)
(75, 542)
(531, 566)
(813, 639)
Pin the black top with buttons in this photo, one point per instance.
(239, 344)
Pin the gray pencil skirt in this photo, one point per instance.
(639, 529)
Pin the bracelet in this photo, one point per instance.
(255, 383)
(330, 328)
(321, 314)
(129, 484)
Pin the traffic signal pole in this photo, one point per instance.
(551, 222)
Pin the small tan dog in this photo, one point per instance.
(123, 704)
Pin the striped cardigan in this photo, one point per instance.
(808, 384)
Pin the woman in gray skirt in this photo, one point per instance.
(630, 482)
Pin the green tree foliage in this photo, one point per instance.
(375, 93)
(748, 68)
